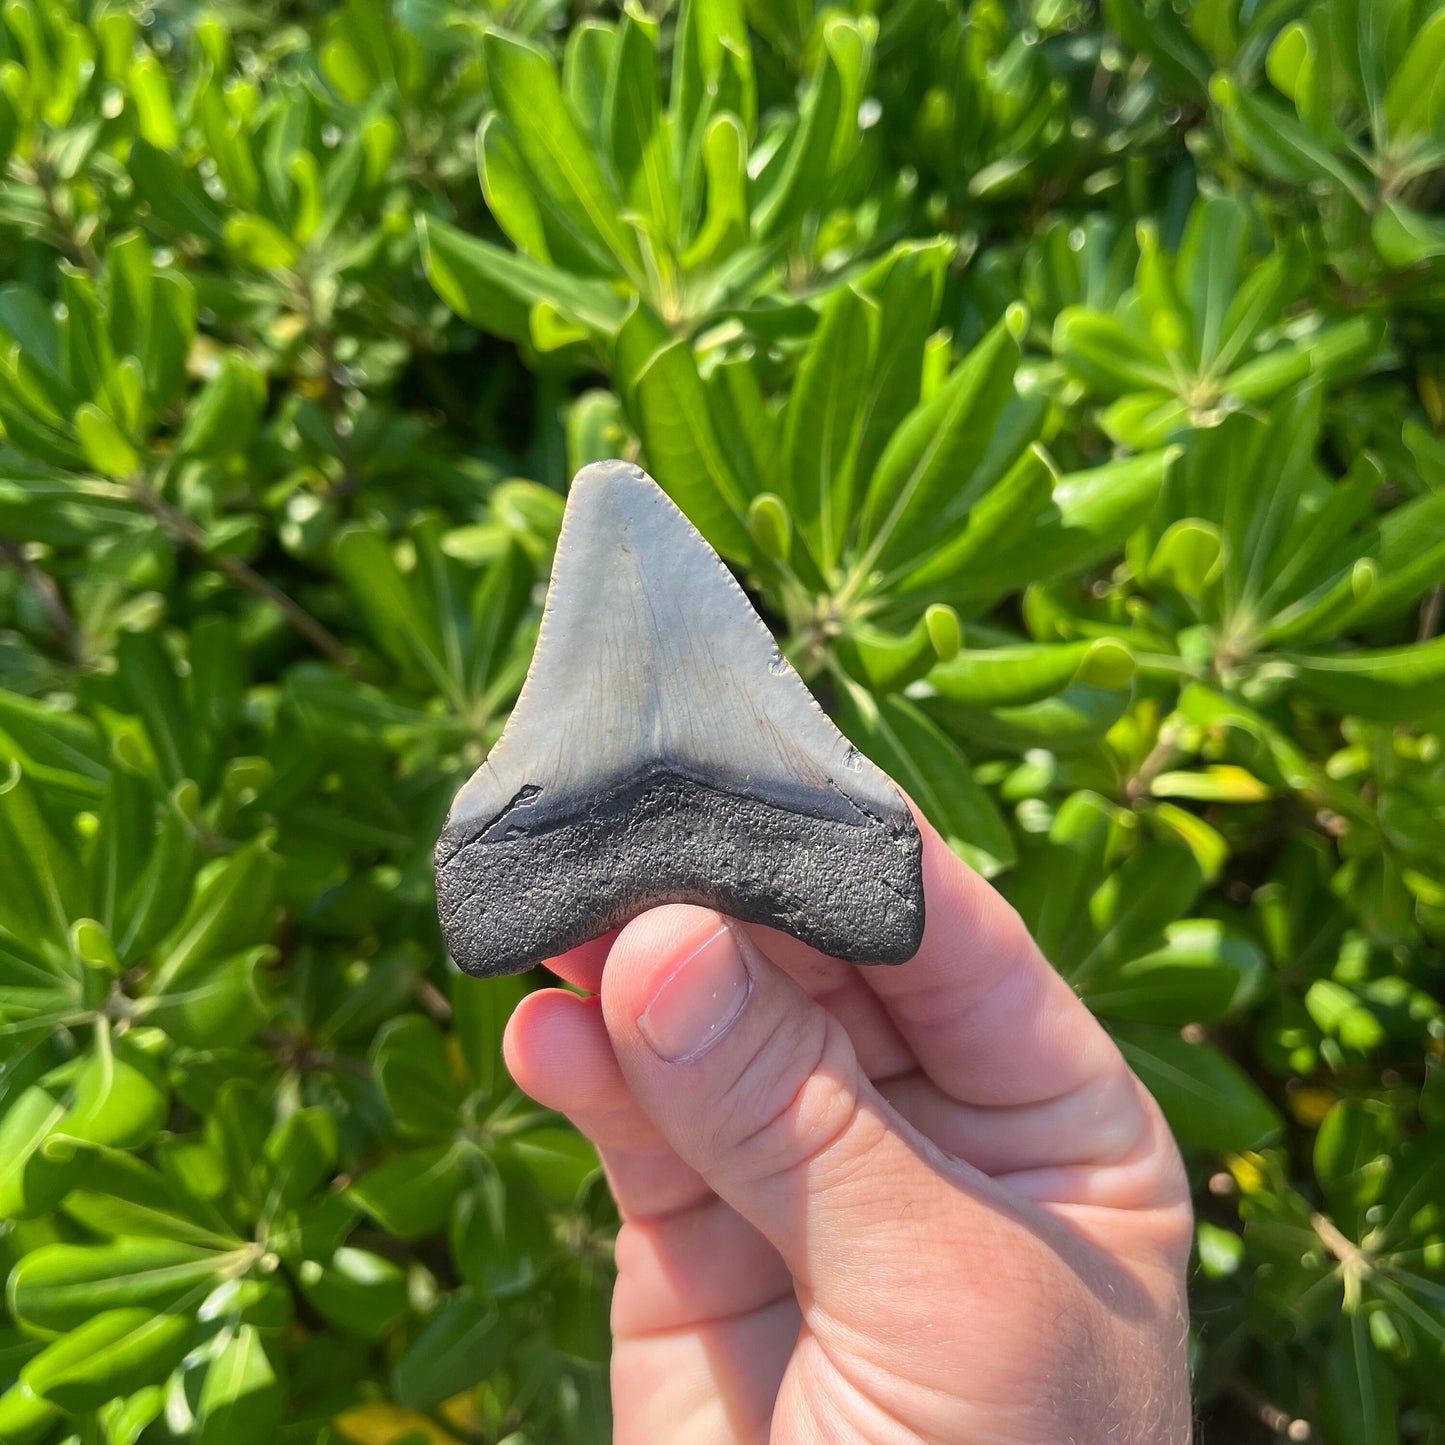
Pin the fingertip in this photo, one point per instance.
(520, 1026)
(557, 1051)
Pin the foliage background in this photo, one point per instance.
(1069, 389)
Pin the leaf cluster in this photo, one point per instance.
(1068, 390)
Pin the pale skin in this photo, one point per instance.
(928, 1203)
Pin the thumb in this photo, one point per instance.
(758, 1088)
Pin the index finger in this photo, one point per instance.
(989, 1020)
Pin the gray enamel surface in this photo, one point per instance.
(662, 750)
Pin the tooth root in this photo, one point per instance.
(662, 750)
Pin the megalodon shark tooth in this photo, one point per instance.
(663, 750)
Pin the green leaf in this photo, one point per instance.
(24, 1416)
(155, 112)
(1188, 558)
(1357, 1388)
(155, 692)
(712, 74)
(639, 141)
(1075, 718)
(145, 890)
(826, 128)
(931, 465)
(119, 1099)
(771, 525)
(60, 1286)
(1208, 1100)
(224, 417)
(497, 289)
(115, 1194)
(1008, 511)
(1092, 512)
(1110, 356)
(1164, 35)
(226, 1003)
(112, 1354)
(1409, 547)
(1415, 101)
(659, 383)
(174, 194)
(241, 1399)
(1216, 783)
(1280, 144)
(1207, 270)
(821, 423)
(997, 676)
(725, 221)
(60, 750)
(1353, 1157)
(230, 906)
(406, 628)
(520, 212)
(501, 1238)
(888, 662)
(44, 891)
(358, 1291)
(1133, 905)
(527, 92)
(1339, 1013)
(1392, 684)
(1201, 974)
(479, 1018)
(586, 63)
(256, 241)
(561, 1161)
(1051, 886)
(30, 1181)
(464, 1343)
(906, 285)
(412, 1194)
(301, 1152)
(1405, 237)
(931, 768)
(579, 1299)
(105, 445)
(410, 1060)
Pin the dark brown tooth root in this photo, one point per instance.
(659, 753)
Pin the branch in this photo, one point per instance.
(335, 407)
(185, 530)
(1164, 752)
(1275, 1420)
(13, 554)
(1430, 611)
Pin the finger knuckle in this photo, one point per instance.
(793, 1102)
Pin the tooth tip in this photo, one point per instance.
(612, 472)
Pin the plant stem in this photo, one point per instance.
(1160, 756)
(76, 248)
(1430, 611)
(13, 554)
(185, 530)
(1343, 1248)
(335, 405)
(1278, 1421)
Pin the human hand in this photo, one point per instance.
(925, 1203)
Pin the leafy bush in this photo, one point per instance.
(1068, 389)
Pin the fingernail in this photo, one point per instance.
(698, 1000)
